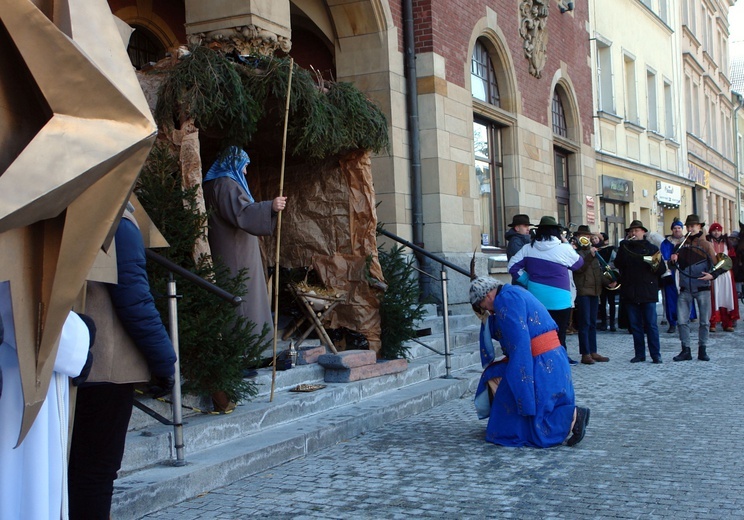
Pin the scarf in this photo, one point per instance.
(230, 164)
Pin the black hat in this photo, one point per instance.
(693, 219)
(548, 222)
(636, 224)
(583, 230)
(520, 219)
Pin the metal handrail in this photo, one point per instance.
(193, 278)
(174, 268)
(423, 251)
(445, 303)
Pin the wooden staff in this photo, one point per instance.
(279, 229)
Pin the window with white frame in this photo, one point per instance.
(696, 108)
(604, 77)
(688, 104)
(668, 111)
(631, 99)
(664, 11)
(651, 102)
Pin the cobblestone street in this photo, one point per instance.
(664, 441)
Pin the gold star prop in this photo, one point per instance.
(75, 131)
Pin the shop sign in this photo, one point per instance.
(699, 175)
(614, 188)
(590, 214)
(669, 195)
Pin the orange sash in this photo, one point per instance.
(544, 343)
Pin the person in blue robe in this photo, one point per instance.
(527, 393)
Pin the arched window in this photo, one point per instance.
(487, 135)
(483, 83)
(144, 48)
(559, 116)
(561, 161)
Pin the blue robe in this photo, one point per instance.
(534, 403)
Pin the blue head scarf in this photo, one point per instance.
(230, 164)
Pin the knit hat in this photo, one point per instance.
(480, 287)
(734, 234)
(715, 226)
(677, 223)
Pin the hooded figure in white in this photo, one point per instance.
(33, 476)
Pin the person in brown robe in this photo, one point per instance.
(236, 221)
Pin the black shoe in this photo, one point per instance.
(638, 359)
(613, 329)
(685, 355)
(579, 428)
(672, 329)
(572, 361)
(657, 361)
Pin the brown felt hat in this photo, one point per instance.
(583, 230)
(693, 219)
(636, 224)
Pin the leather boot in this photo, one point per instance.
(685, 355)
(702, 355)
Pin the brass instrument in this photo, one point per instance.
(584, 242)
(608, 272)
(653, 260)
(723, 261)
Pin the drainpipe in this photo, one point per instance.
(414, 140)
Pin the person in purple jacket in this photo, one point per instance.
(542, 266)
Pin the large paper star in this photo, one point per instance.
(81, 130)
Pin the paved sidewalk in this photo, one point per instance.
(664, 441)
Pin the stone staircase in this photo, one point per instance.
(260, 434)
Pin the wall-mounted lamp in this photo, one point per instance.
(565, 6)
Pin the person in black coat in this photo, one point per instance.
(640, 269)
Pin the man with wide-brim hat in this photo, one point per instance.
(589, 282)
(694, 261)
(636, 224)
(639, 289)
(693, 219)
(518, 235)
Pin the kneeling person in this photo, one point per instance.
(527, 395)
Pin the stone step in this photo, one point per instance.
(152, 442)
(161, 485)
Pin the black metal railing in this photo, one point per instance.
(176, 404)
(445, 304)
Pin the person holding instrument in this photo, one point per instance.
(695, 260)
(640, 265)
(723, 295)
(589, 281)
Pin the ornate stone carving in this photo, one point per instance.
(246, 39)
(532, 28)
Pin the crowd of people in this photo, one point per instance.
(561, 278)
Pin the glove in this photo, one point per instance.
(160, 386)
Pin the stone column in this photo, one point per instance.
(248, 26)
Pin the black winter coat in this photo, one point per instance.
(640, 282)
